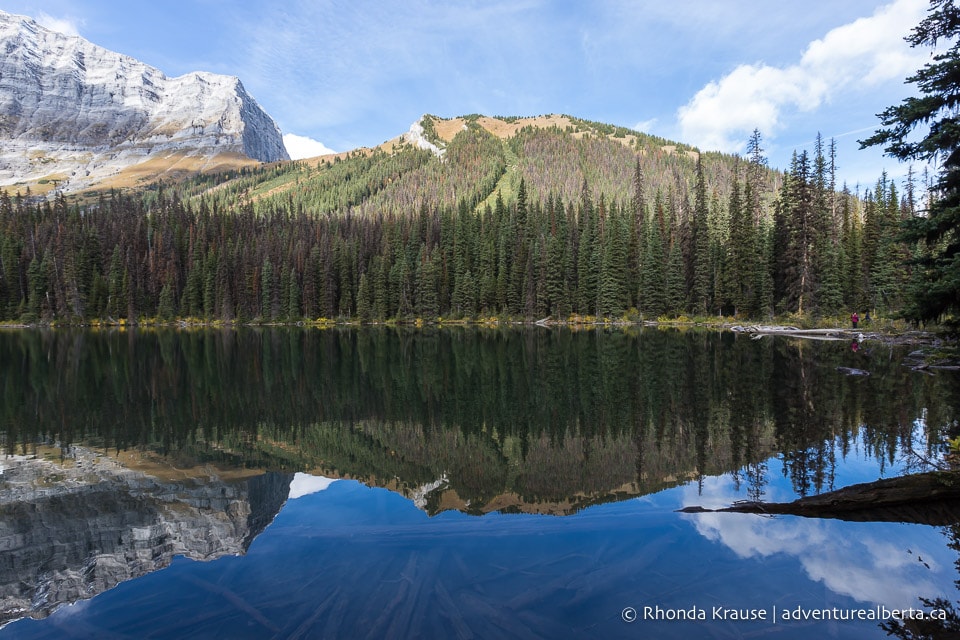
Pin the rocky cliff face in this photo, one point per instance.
(70, 532)
(76, 112)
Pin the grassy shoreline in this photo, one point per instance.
(888, 326)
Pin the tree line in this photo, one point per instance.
(808, 248)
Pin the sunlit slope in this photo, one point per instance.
(470, 161)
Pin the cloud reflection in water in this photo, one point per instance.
(870, 562)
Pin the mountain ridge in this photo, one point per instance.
(76, 114)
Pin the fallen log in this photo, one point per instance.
(757, 331)
(850, 371)
(924, 498)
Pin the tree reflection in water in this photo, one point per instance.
(554, 417)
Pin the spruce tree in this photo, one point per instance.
(587, 259)
(741, 251)
(614, 297)
(292, 296)
(852, 269)
(166, 308)
(266, 289)
(37, 285)
(487, 262)
(364, 299)
(674, 285)
(939, 231)
(700, 293)
(637, 231)
(652, 294)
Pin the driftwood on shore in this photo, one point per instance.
(850, 371)
(924, 498)
(759, 330)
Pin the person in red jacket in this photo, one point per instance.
(855, 318)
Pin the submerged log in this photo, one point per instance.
(924, 498)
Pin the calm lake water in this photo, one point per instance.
(391, 483)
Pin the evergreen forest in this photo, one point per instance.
(584, 221)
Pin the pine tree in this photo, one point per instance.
(556, 261)
(653, 294)
(426, 285)
(191, 302)
(519, 253)
(760, 294)
(487, 260)
(364, 299)
(939, 231)
(852, 269)
(166, 309)
(830, 295)
(292, 296)
(37, 285)
(311, 276)
(764, 299)
(588, 264)
(10, 265)
(825, 265)
(210, 283)
(674, 285)
(504, 253)
(741, 251)
(266, 289)
(798, 231)
(638, 233)
(116, 293)
(614, 296)
(700, 293)
(384, 302)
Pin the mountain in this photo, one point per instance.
(107, 523)
(473, 218)
(75, 114)
(440, 162)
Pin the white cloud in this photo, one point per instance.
(853, 57)
(66, 26)
(303, 147)
(644, 126)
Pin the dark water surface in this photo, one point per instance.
(383, 483)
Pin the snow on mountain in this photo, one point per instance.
(75, 112)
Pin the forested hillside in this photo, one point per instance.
(586, 220)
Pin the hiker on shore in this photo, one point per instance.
(855, 318)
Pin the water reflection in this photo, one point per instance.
(873, 563)
(303, 484)
(357, 562)
(546, 421)
(70, 530)
(946, 625)
(451, 422)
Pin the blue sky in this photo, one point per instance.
(705, 72)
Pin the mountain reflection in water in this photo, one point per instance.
(476, 421)
(71, 531)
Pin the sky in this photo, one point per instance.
(337, 75)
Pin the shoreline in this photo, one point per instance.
(938, 348)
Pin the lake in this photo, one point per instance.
(473, 483)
